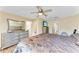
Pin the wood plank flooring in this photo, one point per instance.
(9, 49)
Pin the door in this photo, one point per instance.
(29, 27)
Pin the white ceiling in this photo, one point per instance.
(57, 11)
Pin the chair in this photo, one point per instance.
(64, 34)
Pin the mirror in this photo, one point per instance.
(14, 25)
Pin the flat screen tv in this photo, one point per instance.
(45, 24)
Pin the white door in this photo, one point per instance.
(29, 27)
(56, 28)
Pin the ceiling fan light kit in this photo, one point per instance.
(40, 14)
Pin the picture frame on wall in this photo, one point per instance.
(14, 25)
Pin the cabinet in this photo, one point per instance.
(45, 30)
(9, 39)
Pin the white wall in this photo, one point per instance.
(53, 26)
(29, 27)
(68, 24)
(4, 24)
(37, 26)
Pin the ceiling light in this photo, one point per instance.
(40, 14)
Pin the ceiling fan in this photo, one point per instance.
(41, 11)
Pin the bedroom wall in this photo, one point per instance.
(37, 26)
(3, 21)
(53, 26)
(68, 24)
(29, 27)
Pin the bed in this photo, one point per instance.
(50, 43)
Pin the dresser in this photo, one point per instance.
(9, 39)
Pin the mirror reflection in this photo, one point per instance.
(14, 25)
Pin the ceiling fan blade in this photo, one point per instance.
(56, 17)
(44, 14)
(39, 8)
(33, 12)
(49, 10)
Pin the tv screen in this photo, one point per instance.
(45, 23)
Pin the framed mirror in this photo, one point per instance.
(14, 25)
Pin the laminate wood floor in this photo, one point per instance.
(9, 49)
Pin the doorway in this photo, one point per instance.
(29, 27)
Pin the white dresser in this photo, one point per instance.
(9, 39)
